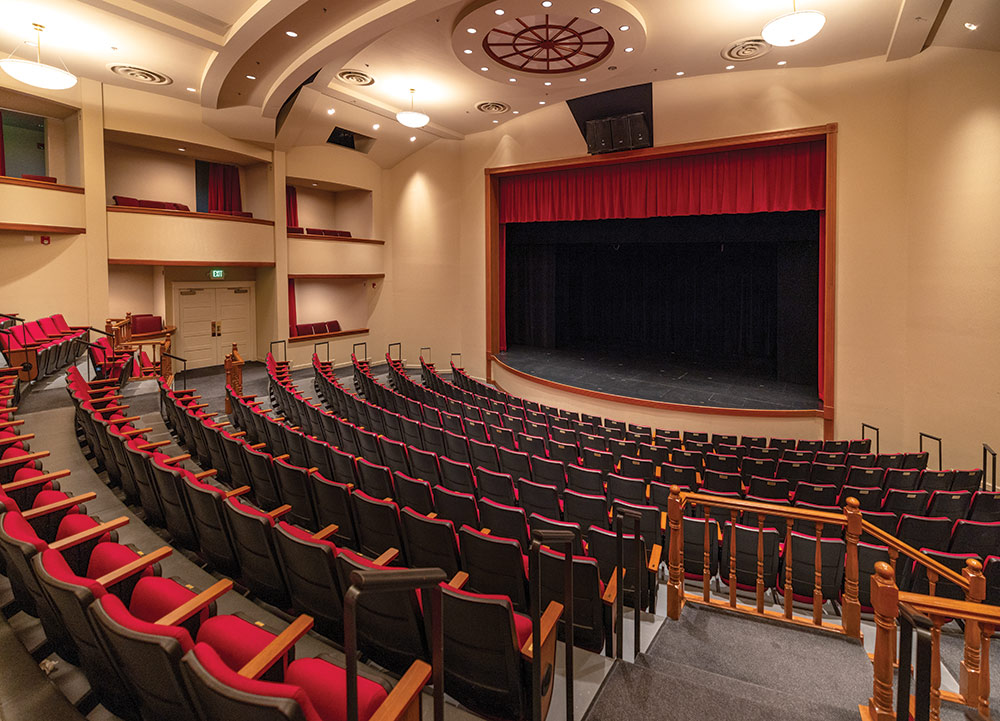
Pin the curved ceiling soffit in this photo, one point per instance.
(344, 43)
(244, 34)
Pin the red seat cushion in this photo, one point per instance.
(113, 606)
(107, 557)
(522, 627)
(15, 526)
(46, 497)
(154, 596)
(125, 201)
(75, 523)
(56, 566)
(326, 683)
(332, 326)
(234, 639)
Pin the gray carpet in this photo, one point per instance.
(711, 664)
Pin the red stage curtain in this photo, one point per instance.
(503, 287)
(291, 206)
(755, 180)
(820, 376)
(293, 317)
(223, 188)
(3, 164)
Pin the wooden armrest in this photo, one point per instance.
(101, 381)
(282, 457)
(177, 459)
(432, 514)
(95, 391)
(28, 482)
(207, 415)
(205, 474)
(247, 398)
(238, 434)
(386, 558)
(611, 590)
(484, 531)
(127, 420)
(151, 446)
(117, 397)
(279, 511)
(90, 534)
(663, 520)
(26, 458)
(189, 608)
(190, 398)
(61, 505)
(110, 409)
(14, 439)
(137, 566)
(254, 404)
(306, 398)
(196, 407)
(294, 428)
(459, 580)
(277, 648)
(222, 424)
(389, 499)
(654, 558)
(238, 491)
(324, 533)
(548, 621)
(136, 432)
(9, 409)
(257, 446)
(404, 699)
(9, 424)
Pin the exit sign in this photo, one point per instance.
(217, 274)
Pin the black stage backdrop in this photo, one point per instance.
(733, 291)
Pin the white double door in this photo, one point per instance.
(210, 319)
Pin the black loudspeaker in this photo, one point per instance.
(599, 136)
(622, 132)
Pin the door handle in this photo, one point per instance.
(218, 327)
(214, 331)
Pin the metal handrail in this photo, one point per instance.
(911, 620)
(384, 581)
(184, 371)
(869, 426)
(990, 451)
(316, 349)
(620, 516)
(425, 348)
(284, 349)
(399, 351)
(551, 537)
(354, 350)
(933, 438)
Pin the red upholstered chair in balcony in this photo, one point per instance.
(125, 201)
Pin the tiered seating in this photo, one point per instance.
(304, 329)
(51, 338)
(295, 230)
(129, 202)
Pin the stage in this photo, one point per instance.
(661, 379)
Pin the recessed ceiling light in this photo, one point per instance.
(182, 149)
(547, 83)
(594, 11)
(498, 11)
(471, 31)
(628, 50)
(467, 52)
(191, 90)
(971, 26)
(315, 184)
(251, 77)
(413, 138)
(484, 68)
(291, 33)
(547, 4)
(376, 126)
(583, 80)
(623, 28)
(517, 112)
(512, 80)
(541, 102)
(730, 67)
(782, 62)
(495, 122)
(679, 73)
(331, 111)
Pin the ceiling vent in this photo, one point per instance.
(492, 107)
(746, 49)
(355, 77)
(140, 75)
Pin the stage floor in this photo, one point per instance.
(660, 379)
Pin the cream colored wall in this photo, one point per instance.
(49, 278)
(318, 300)
(42, 206)
(317, 208)
(308, 256)
(354, 212)
(202, 240)
(255, 184)
(55, 148)
(148, 174)
(917, 300)
(130, 290)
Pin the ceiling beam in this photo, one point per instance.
(916, 24)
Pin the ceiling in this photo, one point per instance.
(206, 51)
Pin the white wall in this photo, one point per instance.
(148, 174)
(318, 300)
(317, 208)
(131, 290)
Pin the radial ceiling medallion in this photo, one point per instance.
(548, 44)
(519, 41)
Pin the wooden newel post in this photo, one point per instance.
(675, 583)
(851, 616)
(234, 376)
(968, 681)
(885, 601)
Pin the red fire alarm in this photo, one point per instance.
(46, 240)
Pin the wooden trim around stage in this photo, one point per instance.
(7, 180)
(43, 229)
(186, 214)
(816, 132)
(646, 403)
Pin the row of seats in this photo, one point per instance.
(184, 661)
(51, 337)
(128, 202)
(286, 563)
(296, 230)
(330, 326)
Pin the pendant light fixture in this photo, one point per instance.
(35, 72)
(411, 118)
(794, 28)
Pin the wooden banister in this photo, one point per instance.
(770, 509)
(188, 609)
(923, 559)
(278, 647)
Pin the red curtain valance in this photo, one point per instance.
(753, 180)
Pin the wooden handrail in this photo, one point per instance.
(770, 509)
(951, 608)
(922, 558)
